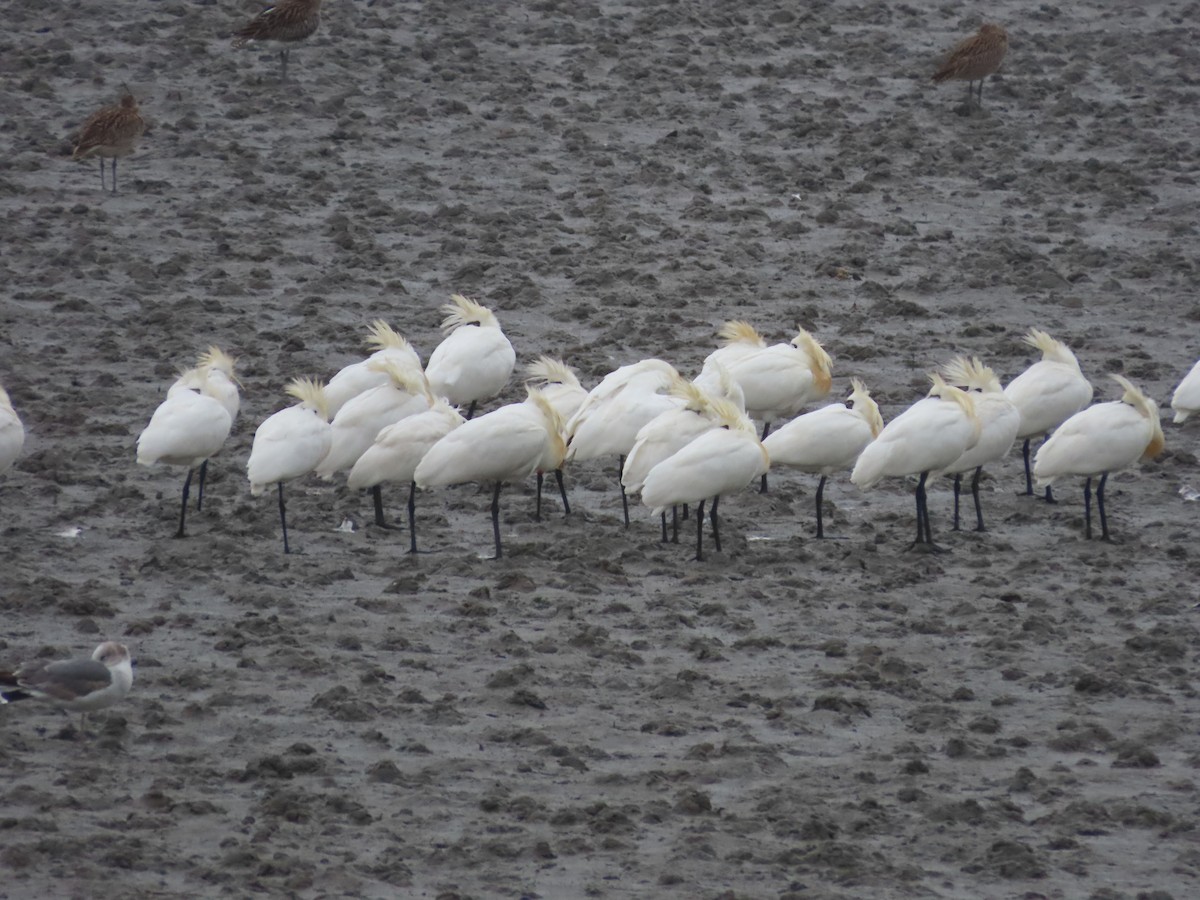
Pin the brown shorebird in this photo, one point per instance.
(974, 59)
(284, 23)
(109, 133)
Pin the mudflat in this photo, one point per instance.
(597, 714)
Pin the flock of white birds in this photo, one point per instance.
(388, 419)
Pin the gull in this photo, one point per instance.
(999, 422)
(723, 459)
(1099, 440)
(1046, 394)
(475, 360)
(1186, 399)
(923, 440)
(290, 443)
(285, 23)
(505, 445)
(186, 429)
(975, 58)
(75, 685)
(110, 133)
(827, 440)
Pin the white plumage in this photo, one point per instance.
(475, 360)
(668, 433)
(999, 421)
(558, 383)
(361, 376)
(923, 440)
(780, 380)
(738, 339)
(364, 415)
(290, 443)
(12, 432)
(399, 448)
(1099, 440)
(505, 445)
(827, 440)
(1186, 399)
(1047, 393)
(214, 375)
(187, 428)
(723, 459)
(608, 421)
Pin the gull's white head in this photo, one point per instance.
(112, 654)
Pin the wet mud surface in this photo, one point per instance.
(597, 714)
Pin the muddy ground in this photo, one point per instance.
(597, 714)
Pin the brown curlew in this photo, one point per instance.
(974, 59)
(284, 23)
(109, 133)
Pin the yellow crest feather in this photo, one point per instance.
(311, 393)
(465, 311)
(735, 331)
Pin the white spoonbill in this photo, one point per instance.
(76, 685)
(505, 445)
(560, 386)
(475, 360)
(923, 440)
(1047, 394)
(1101, 439)
(780, 380)
(214, 372)
(186, 429)
(12, 432)
(360, 420)
(608, 421)
(714, 379)
(352, 380)
(666, 434)
(724, 459)
(397, 450)
(648, 374)
(827, 440)
(999, 422)
(738, 339)
(1186, 399)
(290, 443)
